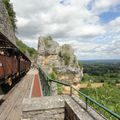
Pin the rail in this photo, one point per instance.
(44, 82)
(87, 98)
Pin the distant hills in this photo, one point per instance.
(107, 61)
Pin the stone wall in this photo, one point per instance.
(50, 114)
(5, 24)
(44, 108)
(69, 114)
(57, 108)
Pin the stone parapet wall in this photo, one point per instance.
(57, 108)
(44, 108)
(50, 114)
(75, 110)
(5, 24)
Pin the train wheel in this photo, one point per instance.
(9, 81)
(5, 87)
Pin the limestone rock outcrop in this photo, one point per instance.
(5, 24)
(59, 61)
(48, 51)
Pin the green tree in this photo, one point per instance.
(11, 13)
(23, 47)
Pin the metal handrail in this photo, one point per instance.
(50, 79)
(58, 81)
(84, 95)
(44, 83)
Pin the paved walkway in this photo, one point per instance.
(11, 109)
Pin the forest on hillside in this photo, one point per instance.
(104, 71)
(32, 53)
(107, 72)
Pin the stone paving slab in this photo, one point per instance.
(44, 108)
(42, 103)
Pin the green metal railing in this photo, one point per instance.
(45, 83)
(48, 80)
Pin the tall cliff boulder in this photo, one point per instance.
(59, 61)
(6, 27)
(48, 51)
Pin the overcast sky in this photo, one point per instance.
(92, 27)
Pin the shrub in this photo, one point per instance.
(53, 75)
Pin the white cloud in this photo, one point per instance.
(113, 48)
(22, 22)
(69, 22)
(101, 6)
(55, 18)
(115, 23)
(88, 31)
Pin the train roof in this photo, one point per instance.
(5, 43)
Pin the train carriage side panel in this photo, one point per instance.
(21, 65)
(1, 68)
(18, 59)
(17, 69)
(26, 65)
(15, 65)
(24, 62)
(8, 66)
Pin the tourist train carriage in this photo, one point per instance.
(13, 63)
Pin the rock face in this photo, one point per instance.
(5, 24)
(59, 61)
(48, 51)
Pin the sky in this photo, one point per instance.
(91, 27)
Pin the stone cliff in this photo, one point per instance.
(5, 24)
(58, 61)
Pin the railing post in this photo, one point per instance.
(70, 90)
(86, 99)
